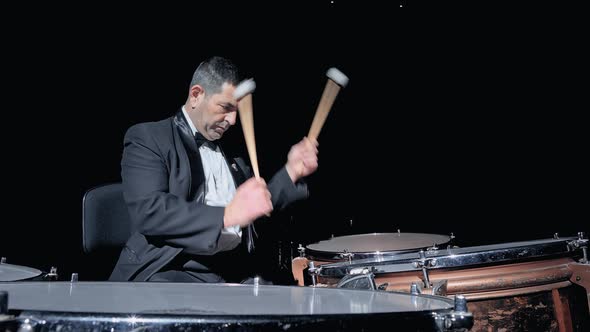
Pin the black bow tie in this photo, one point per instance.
(200, 139)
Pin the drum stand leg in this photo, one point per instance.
(562, 312)
(581, 276)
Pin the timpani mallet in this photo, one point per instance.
(336, 81)
(243, 94)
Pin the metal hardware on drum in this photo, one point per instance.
(582, 243)
(455, 320)
(347, 255)
(438, 287)
(460, 303)
(52, 275)
(301, 250)
(424, 263)
(312, 270)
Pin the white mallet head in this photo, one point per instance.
(337, 76)
(245, 87)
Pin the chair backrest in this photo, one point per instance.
(106, 225)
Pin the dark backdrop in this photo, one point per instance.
(443, 127)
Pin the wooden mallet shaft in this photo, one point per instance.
(336, 80)
(243, 93)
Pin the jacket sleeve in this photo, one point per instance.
(284, 191)
(156, 213)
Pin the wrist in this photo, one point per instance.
(292, 173)
(226, 218)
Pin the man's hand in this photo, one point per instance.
(251, 201)
(302, 159)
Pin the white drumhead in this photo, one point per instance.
(210, 299)
(9, 272)
(379, 242)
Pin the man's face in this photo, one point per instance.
(217, 113)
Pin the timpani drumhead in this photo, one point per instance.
(368, 245)
(9, 272)
(222, 299)
(106, 306)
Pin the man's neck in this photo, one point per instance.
(189, 120)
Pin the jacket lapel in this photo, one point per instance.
(197, 183)
(240, 173)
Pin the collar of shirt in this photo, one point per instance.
(199, 138)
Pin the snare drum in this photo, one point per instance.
(143, 306)
(359, 246)
(511, 286)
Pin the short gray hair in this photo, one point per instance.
(213, 72)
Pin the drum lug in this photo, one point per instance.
(313, 272)
(458, 319)
(52, 275)
(28, 324)
(346, 255)
(301, 250)
(433, 248)
(424, 263)
(580, 243)
(451, 243)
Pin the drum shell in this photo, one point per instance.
(537, 296)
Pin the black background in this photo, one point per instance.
(474, 128)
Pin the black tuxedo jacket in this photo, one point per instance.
(163, 183)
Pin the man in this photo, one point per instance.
(192, 206)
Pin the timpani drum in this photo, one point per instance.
(519, 286)
(361, 246)
(144, 306)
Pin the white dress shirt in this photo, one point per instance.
(219, 188)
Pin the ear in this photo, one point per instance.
(196, 94)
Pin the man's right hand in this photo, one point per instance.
(251, 201)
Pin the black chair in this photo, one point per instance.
(106, 226)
